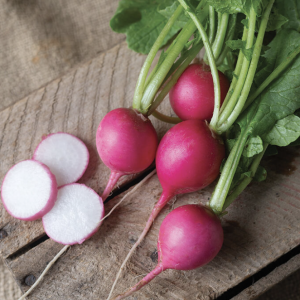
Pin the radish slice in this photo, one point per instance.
(65, 155)
(76, 215)
(29, 190)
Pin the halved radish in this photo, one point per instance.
(76, 215)
(29, 190)
(66, 156)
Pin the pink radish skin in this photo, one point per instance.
(192, 97)
(188, 159)
(126, 142)
(66, 156)
(76, 215)
(26, 178)
(189, 237)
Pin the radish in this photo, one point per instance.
(188, 158)
(65, 155)
(29, 190)
(126, 142)
(192, 97)
(189, 237)
(76, 215)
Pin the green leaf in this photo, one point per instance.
(276, 20)
(239, 44)
(253, 146)
(282, 45)
(291, 10)
(142, 23)
(284, 132)
(260, 174)
(238, 6)
(168, 8)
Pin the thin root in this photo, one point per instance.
(58, 255)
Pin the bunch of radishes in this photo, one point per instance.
(188, 157)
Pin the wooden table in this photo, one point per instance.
(261, 228)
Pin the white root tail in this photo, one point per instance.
(51, 263)
(67, 246)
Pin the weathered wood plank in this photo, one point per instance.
(271, 280)
(260, 226)
(76, 103)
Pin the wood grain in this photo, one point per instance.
(260, 226)
(274, 278)
(76, 103)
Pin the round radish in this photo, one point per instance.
(126, 142)
(76, 215)
(29, 190)
(192, 97)
(189, 237)
(188, 158)
(65, 155)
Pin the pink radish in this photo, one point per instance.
(192, 97)
(29, 190)
(189, 237)
(188, 159)
(65, 155)
(76, 215)
(126, 142)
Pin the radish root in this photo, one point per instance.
(67, 246)
(165, 197)
(129, 193)
(45, 271)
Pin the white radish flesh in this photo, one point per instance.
(29, 190)
(65, 155)
(76, 215)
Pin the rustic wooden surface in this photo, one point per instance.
(260, 226)
(275, 277)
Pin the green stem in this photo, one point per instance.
(237, 71)
(158, 78)
(252, 69)
(221, 190)
(212, 24)
(243, 73)
(272, 77)
(240, 188)
(164, 118)
(145, 69)
(211, 60)
(220, 36)
(149, 78)
(191, 55)
(228, 37)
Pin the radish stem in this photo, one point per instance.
(211, 60)
(50, 264)
(164, 118)
(212, 24)
(243, 73)
(236, 73)
(239, 189)
(220, 36)
(191, 55)
(147, 64)
(251, 72)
